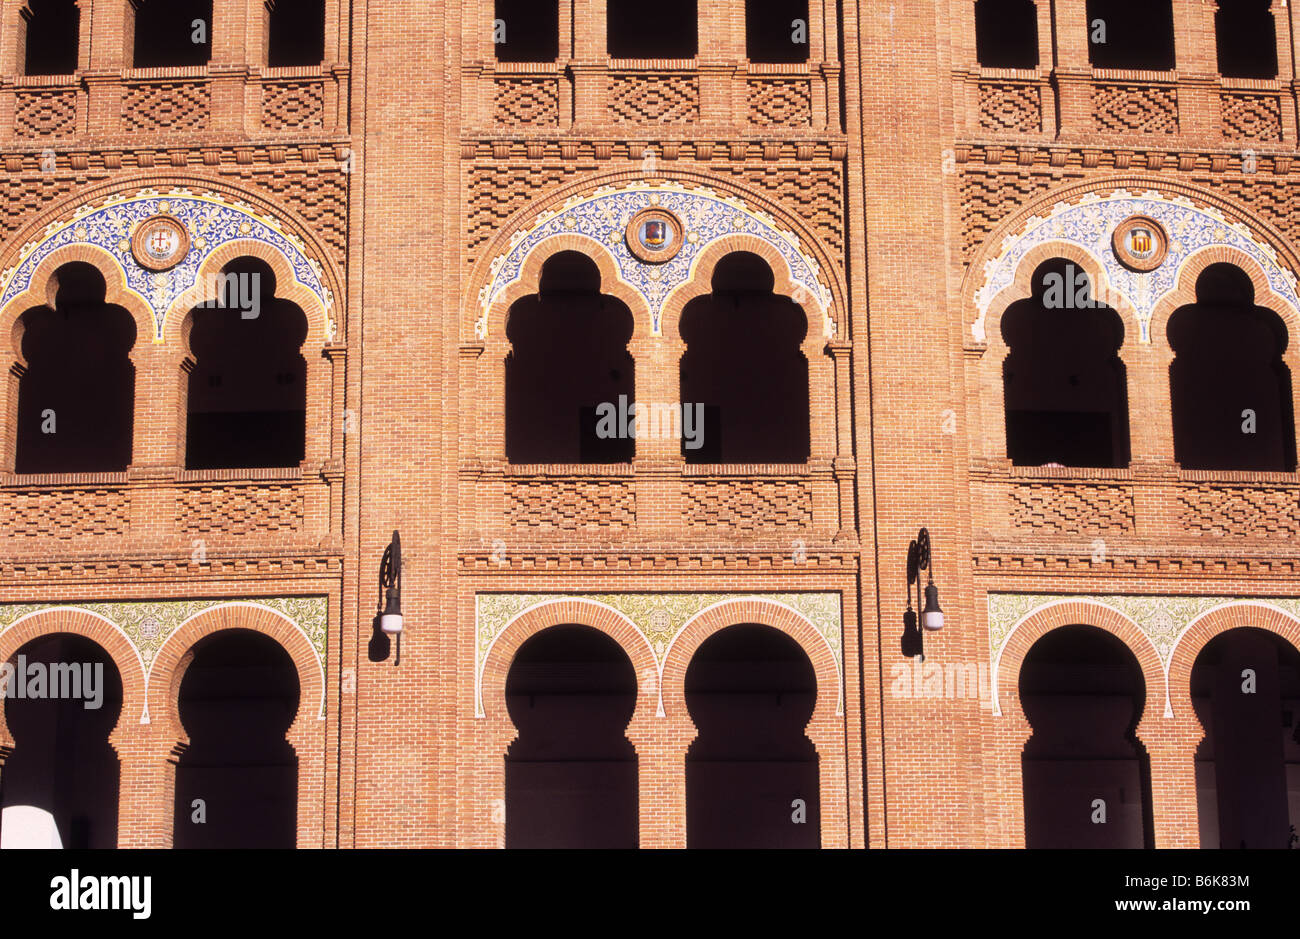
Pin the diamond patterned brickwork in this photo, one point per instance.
(68, 513)
(293, 105)
(1072, 510)
(165, 106)
(240, 510)
(1276, 201)
(494, 195)
(319, 196)
(779, 102)
(1135, 108)
(748, 504)
(1251, 117)
(815, 193)
(570, 505)
(528, 102)
(1010, 107)
(47, 113)
(989, 195)
(654, 99)
(1233, 510)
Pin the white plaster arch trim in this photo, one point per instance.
(248, 605)
(210, 219)
(603, 216)
(1088, 224)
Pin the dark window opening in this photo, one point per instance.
(776, 30)
(173, 33)
(571, 774)
(1006, 33)
(1083, 694)
(1065, 386)
(569, 376)
(60, 783)
(296, 33)
(1137, 35)
(751, 773)
(241, 413)
(743, 364)
(51, 37)
(526, 30)
(1230, 391)
(76, 397)
(664, 30)
(1248, 763)
(1247, 39)
(238, 697)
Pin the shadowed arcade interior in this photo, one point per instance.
(59, 786)
(1087, 779)
(531, 30)
(751, 691)
(776, 31)
(296, 33)
(50, 37)
(1247, 38)
(1137, 35)
(667, 29)
(165, 34)
(1006, 33)
(238, 697)
(571, 774)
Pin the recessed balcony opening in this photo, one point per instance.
(171, 33)
(1247, 39)
(776, 31)
(1124, 34)
(296, 33)
(526, 30)
(667, 29)
(51, 37)
(1006, 33)
(1230, 390)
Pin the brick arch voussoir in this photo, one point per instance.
(762, 613)
(99, 631)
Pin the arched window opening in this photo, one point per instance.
(751, 773)
(77, 393)
(172, 33)
(1127, 35)
(51, 36)
(569, 369)
(296, 33)
(1087, 780)
(526, 30)
(664, 30)
(1230, 391)
(1245, 689)
(237, 781)
(776, 31)
(60, 783)
(247, 401)
(1065, 386)
(571, 774)
(744, 370)
(1006, 33)
(1247, 39)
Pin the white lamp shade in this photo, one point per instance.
(391, 623)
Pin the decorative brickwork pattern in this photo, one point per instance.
(1241, 512)
(295, 105)
(165, 106)
(22, 197)
(51, 113)
(815, 193)
(1251, 117)
(69, 513)
(528, 102)
(1072, 510)
(319, 197)
(654, 99)
(1143, 109)
(240, 510)
(1010, 107)
(1274, 200)
(988, 196)
(779, 102)
(570, 505)
(494, 195)
(748, 504)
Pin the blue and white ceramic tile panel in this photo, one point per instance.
(603, 216)
(1089, 223)
(211, 221)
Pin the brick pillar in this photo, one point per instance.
(1072, 70)
(661, 769)
(161, 385)
(307, 736)
(721, 40)
(237, 34)
(147, 785)
(108, 35)
(658, 460)
(1171, 746)
(1196, 57)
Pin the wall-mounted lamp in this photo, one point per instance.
(918, 559)
(390, 593)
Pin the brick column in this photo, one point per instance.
(661, 770)
(146, 786)
(1196, 58)
(1171, 746)
(721, 39)
(1072, 69)
(658, 460)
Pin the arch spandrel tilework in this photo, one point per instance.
(658, 617)
(1089, 223)
(211, 221)
(1164, 620)
(706, 216)
(147, 624)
